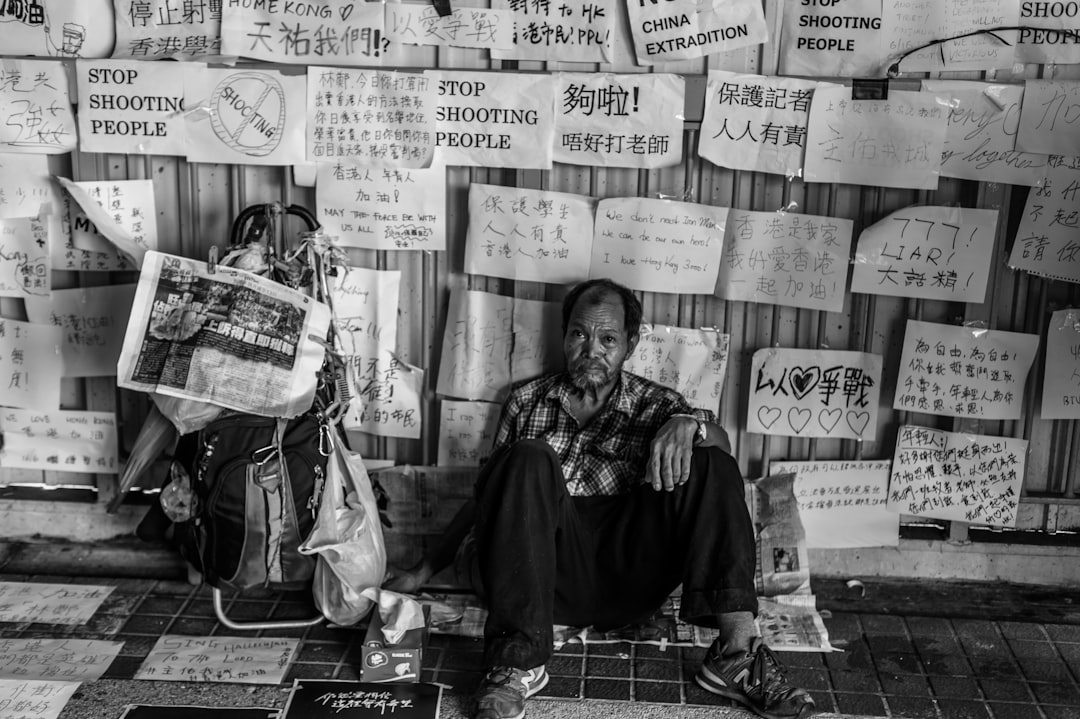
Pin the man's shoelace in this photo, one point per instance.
(771, 683)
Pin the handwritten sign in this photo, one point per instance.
(161, 29)
(963, 372)
(910, 25)
(35, 110)
(886, 143)
(1048, 33)
(57, 28)
(692, 362)
(476, 344)
(835, 39)
(490, 119)
(131, 107)
(22, 699)
(1048, 237)
(24, 263)
(658, 245)
(1061, 380)
(382, 208)
(843, 504)
(365, 306)
(60, 440)
(578, 32)
(466, 431)
(523, 234)
(537, 346)
(322, 31)
(110, 213)
(323, 699)
(93, 320)
(814, 393)
(949, 475)
(688, 29)
(782, 258)
(387, 393)
(26, 186)
(55, 231)
(478, 28)
(66, 660)
(619, 120)
(246, 660)
(372, 117)
(934, 252)
(68, 604)
(1050, 118)
(30, 360)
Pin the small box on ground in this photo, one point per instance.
(398, 662)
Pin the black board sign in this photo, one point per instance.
(148, 711)
(319, 698)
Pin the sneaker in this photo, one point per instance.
(503, 691)
(756, 680)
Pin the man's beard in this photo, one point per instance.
(586, 374)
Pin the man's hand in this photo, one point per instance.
(407, 581)
(670, 453)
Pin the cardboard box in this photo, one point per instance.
(396, 663)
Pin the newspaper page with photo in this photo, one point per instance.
(223, 336)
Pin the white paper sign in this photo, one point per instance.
(60, 440)
(1048, 237)
(226, 660)
(161, 29)
(24, 262)
(26, 186)
(569, 32)
(57, 28)
(1061, 380)
(909, 25)
(35, 110)
(841, 38)
(30, 359)
(466, 431)
(113, 214)
(309, 32)
(1050, 118)
(476, 345)
(68, 604)
(538, 336)
(55, 231)
(473, 27)
(93, 320)
(64, 659)
(1048, 33)
(688, 29)
(387, 394)
(691, 362)
(33, 698)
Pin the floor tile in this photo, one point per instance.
(912, 707)
(866, 682)
(610, 689)
(656, 670)
(660, 692)
(957, 687)
(607, 667)
(963, 709)
(867, 704)
(1014, 711)
(906, 685)
(1056, 693)
(567, 687)
(1012, 690)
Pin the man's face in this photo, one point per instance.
(596, 343)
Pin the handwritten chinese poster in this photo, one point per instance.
(478, 28)
(963, 371)
(619, 120)
(44, 699)
(690, 361)
(572, 32)
(30, 364)
(382, 208)
(756, 123)
(1048, 237)
(372, 117)
(1050, 118)
(522, 234)
(838, 39)
(814, 393)
(537, 346)
(35, 110)
(244, 117)
(911, 25)
(67, 659)
(60, 440)
(93, 321)
(58, 28)
(26, 186)
(68, 604)
(131, 107)
(949, 475)
(476, 345)
(489, 119)
(466, 431)
(1061, 380)
(311, 698)
(316, 31)
(247, 660)
(24, 261)
(688, 29)
(55, 231)
(161, 29)
(125, 216)
(843, 504)
(885, 143)
(781, 258)
(386, 397)
(365, 306)
(1044, 38)
(658, 245)
(934, 252)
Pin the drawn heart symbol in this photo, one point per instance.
(828, 418)
(803, 380)
(798, 418)
(346, 11)
(768, 416)
(857, 421)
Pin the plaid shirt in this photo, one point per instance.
(609, 454)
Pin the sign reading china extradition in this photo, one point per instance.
(666, 30)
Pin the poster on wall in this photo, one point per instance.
(35, 108)
(475, 361)
(466, 431)
(30, 359)
(1050, 118)
(570, 32)
(1048, 33)
(60, 441)
(472, 27)
(841, 38)
(1048, 237)
(57, 28)
(911, 27)
(164, 29)
(693, 362)
(1061, 380)
(108, 215)
(93, 320)
(26, 186)
(537, 346)
(689, 29)
(24, 264)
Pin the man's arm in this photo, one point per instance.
(672, 447)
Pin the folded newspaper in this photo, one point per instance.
(223, 336)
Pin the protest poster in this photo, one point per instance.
(305, 33)
(466, 431)
(782, 258)
(782, 563)
(537, 346)
(35, 698)
(387, 392)
(908, 26)
(55, 231)
(980, 138)
(756, 123)
(244, 117)
(658, 245)
(30, 359)
(613, 120)
(689, 29)
(42, 603)
(970, 478)
(473, 27)
(58, 28)
(963, 371)
(1047, 239)
(163, 30)
(112, 214)
(35, 109)
(24, 264)
(1050, 118)
(841, 38)
(66, 659)
(523, 234)
(377, 118)
(131, 107)
(885, 143)
(245, 660)
(475, 361)
(927, 252)
(814, 393)
(494, 119)
(1061, 380)
(59, 441)
(382, 208)
(1048, 33)
(325, 698)
(571, 32)
(365, 303)
(93, 321)
(26, 186)
(227, 337)
(843, 504)
(693, 362)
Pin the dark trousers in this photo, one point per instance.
(545, 557)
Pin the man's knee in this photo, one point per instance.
(718, 468)
(532, 460)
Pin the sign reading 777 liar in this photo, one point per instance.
(814, 393)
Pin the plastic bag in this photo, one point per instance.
(187, 415)
(348, 540)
